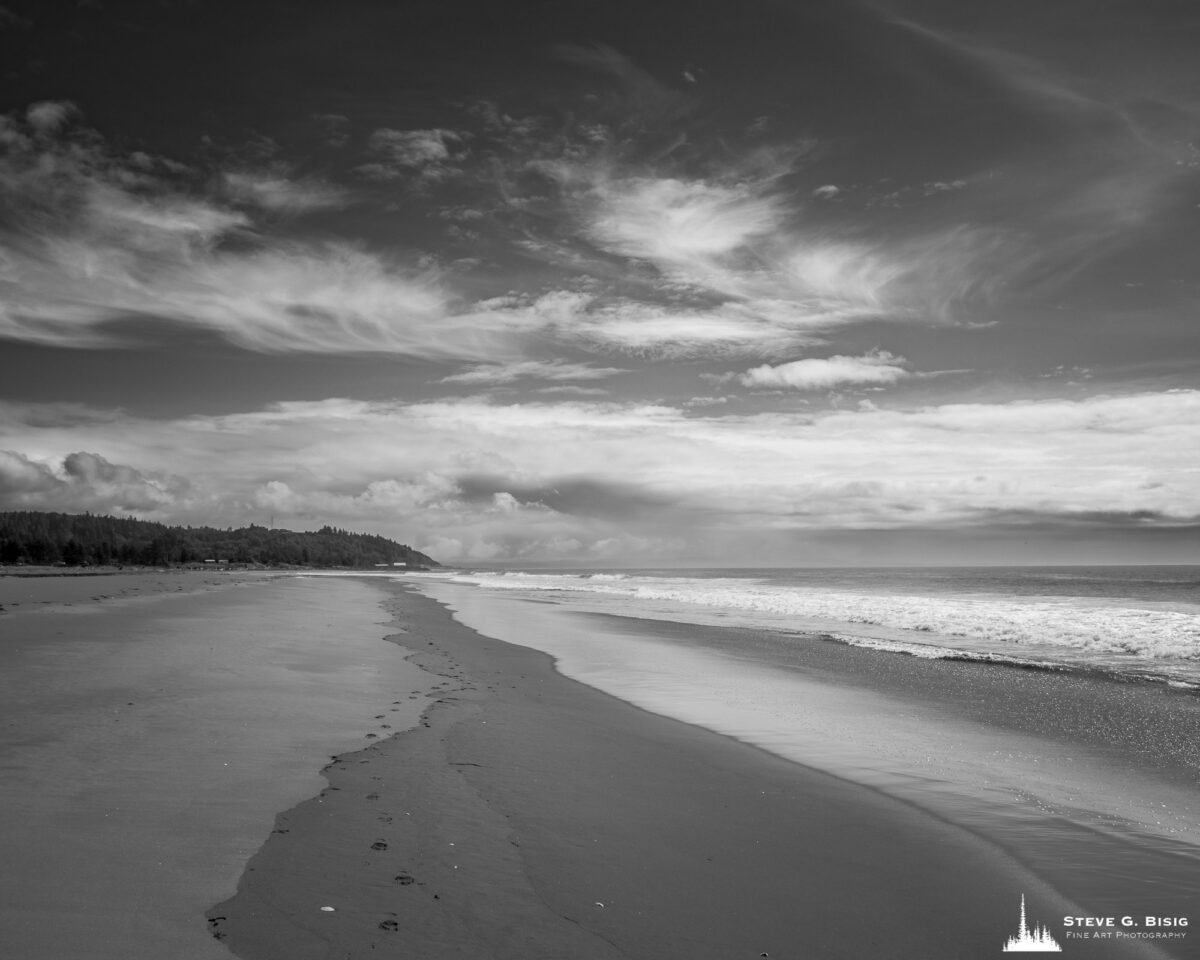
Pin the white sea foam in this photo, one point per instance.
(1137, 636)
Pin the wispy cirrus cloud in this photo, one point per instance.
(677, 223)
(92, 238)
(736, 235)
(1110, 139)
(277, 191)
(547, 370)
(628, 326)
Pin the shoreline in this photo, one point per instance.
(530, 815)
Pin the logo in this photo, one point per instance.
(1037, 940)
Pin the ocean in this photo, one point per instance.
(1131, 622)
(1054, 712)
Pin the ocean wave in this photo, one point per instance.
(1112, 627)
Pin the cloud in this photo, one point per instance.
(573, 391)
(677, 223)
(552, 370)
(96, 238)
(83, 481)
(738, 237)
(1114, 128)
(667, 332)
(425, 155)
(49, 115)
(877, 368)
(697, 475)
(92, 238)
(280, 193)
(581, 320)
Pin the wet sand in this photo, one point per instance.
(530, 816)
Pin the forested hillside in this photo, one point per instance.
(79, 540)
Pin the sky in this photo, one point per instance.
(600, 284)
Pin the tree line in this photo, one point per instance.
(34, 537)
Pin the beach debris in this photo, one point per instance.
(405, 879)
(379, 845)
(391, 926)
(599, 904)
(327, 909)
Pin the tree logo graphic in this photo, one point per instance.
(1037, 940)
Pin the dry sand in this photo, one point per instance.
(151, 728)
(530, 816)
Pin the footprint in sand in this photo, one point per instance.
(391, 926)
(379, 845)
(405, 879)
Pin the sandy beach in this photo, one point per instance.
(214, 767)
(530, 816)
(151, 727)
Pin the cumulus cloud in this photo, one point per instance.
(878, 369)
(84, 481)
(698, 474)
